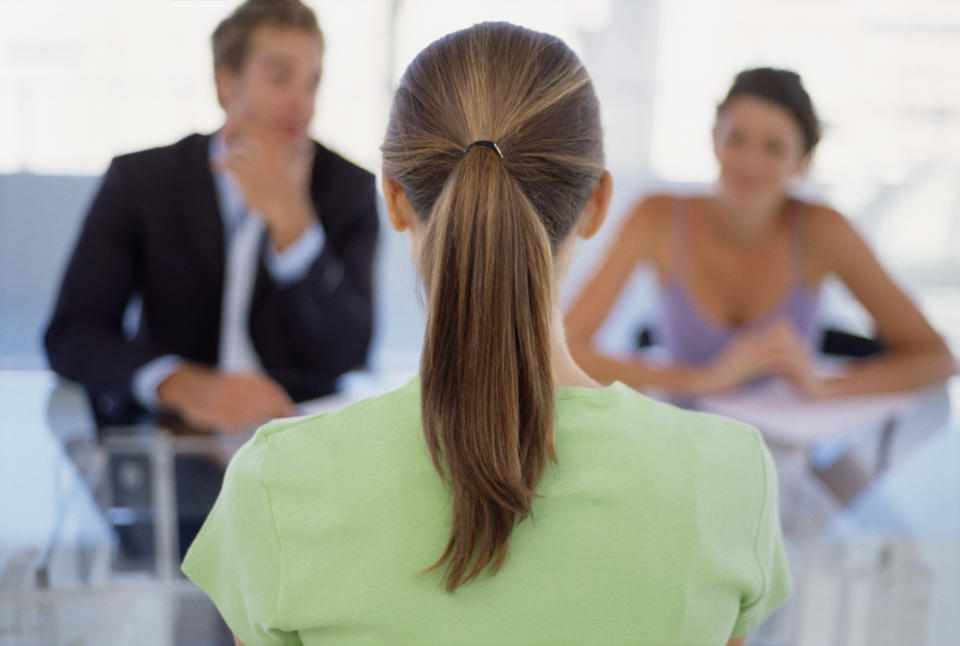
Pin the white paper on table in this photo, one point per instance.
(780, 413)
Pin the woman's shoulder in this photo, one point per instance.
(707, 456)
(712, 434)
(652, 211)
(825, 230)
(661, 421)
(655, 212)
(649, 223)
(726, 452)
(819, 215)
(352, 425)
(303, 460)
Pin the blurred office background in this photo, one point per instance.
(83, 81)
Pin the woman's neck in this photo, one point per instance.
(566, 372)
(744, 226)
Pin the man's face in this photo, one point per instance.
(275, 89)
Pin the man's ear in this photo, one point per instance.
(226, 81)
(399, 210)
(595, 212)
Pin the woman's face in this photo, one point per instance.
(759, 146)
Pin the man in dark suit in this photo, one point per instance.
(249, 250)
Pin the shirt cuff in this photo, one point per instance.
(148, 378)
(292, 263)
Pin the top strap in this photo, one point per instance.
(796, 240)
(679, 239)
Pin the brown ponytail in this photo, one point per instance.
(492, 227)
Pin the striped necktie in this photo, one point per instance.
(237, 353)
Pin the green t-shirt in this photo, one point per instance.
(656, 526)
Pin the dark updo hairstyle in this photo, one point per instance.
(783, 88)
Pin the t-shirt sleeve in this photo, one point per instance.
(237, 558)
(773, 581)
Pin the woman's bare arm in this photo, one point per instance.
(917, 355)
(642, 238)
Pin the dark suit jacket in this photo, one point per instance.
(154, 230)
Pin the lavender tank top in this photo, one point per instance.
(691, 336)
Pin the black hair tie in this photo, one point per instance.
(483, 142)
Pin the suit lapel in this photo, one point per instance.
(204, 223)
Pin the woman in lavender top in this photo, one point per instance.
(740, 268)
